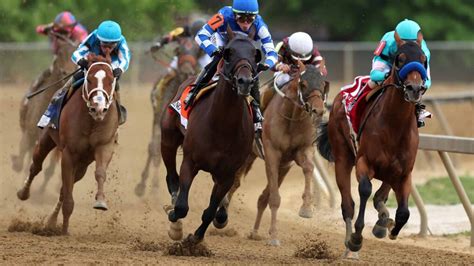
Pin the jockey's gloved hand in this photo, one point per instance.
(83, 63)
(217, 52)
(117, 72)
(262, 67)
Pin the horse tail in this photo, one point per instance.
(322, 141)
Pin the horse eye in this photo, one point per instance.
(423, 58)
(401, 60)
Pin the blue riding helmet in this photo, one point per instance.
(245, 6)
(109, 31)
(408, 29)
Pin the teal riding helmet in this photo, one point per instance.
(245, 6)
(408, 29)
(109, 31)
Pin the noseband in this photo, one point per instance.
(86, 94)
(241, 64)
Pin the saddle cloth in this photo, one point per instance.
(353, 99)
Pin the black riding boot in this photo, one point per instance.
(257, 116)
(204, 77)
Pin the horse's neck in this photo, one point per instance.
(396, 109)
(225, 101)
(289, 107)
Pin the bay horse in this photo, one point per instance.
(387, 145)
(218, 138)
(87, 132)
(188, 53)
(32, 109)
(289, 132)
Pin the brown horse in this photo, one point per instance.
(387, 145)
(188, 53)
(218, 138)
(87, 133)
(289, 132)
(32, 109)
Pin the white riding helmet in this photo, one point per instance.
(301, 46)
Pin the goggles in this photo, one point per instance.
(111, 45)
(245, 18)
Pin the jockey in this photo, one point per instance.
(173, 36)
(240, 17)
(408, 30)
(64, 24)
(298, 47)
(108, 36)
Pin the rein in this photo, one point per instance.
(85, 89)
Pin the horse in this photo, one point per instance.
(289, 132)
(387, 145)
(218, 138)
(32, 109)
(87, 132)
(188, 53)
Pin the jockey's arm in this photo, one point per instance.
(427, 52)
(317, 60)
(381, 65)
(82, 51)
(44, 28)
(267, 44)
(79, 33)
(203, 37)
(122, 60)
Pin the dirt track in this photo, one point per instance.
(111, 237)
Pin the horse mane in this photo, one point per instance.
(93, 58)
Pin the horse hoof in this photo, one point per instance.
(379, 231)
(219, 225)
(306, 212)
(17, 166)
(254, 235)
(140, 190)
(350, 255)
(274, 242)
(392, 237)
(100, 205)
(176, 231)
(354, 243)
(23, 194)
(390, 224)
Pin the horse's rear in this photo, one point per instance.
(387, 146)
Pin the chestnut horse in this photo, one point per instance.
(32, 109)
(188, 53)
(387, 145)
(87, 133)
(289, 132)
(218, 138)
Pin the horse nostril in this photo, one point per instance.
(92, 109)
(105, 110)
(240, 81)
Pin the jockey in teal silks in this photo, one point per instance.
(408, 30)
(108, 36)
(240, 17)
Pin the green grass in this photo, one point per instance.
(439, 191)
(464, 233)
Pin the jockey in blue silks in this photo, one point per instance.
(108, 36)
(408, 30)
(240, 17)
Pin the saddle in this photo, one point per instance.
(355, 101)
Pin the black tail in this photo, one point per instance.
(322, 141)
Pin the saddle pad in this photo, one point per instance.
(353, 99)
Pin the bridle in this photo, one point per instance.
(233, 74)
(86, 94)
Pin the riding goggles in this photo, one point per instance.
(111, 45)
(242, 18)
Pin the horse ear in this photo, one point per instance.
(252, 32)
(398, 39)
(230, 33)
(227, 54)
(258, 55)
(419, 38)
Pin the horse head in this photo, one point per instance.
(312, 88)
(99, 86)
(409, 68)
(187, 52)
(240, 61)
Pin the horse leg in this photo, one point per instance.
(186, 176)
(272, 163)
(238, 177)
(305, 159)
(67, 174)
(402, 192)
(49, 172)
(26, 142)
(44, 146)
(171, 139)
(102, 156)
(218, 193)
(380, 197)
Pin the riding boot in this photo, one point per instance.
(257, 116)
(421, 114)
(121, 110)
(204, 77)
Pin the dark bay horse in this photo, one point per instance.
(218, 138)
(87, 133)
(387, 145)
(188, 53)
(289, 132)
(32, 109)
